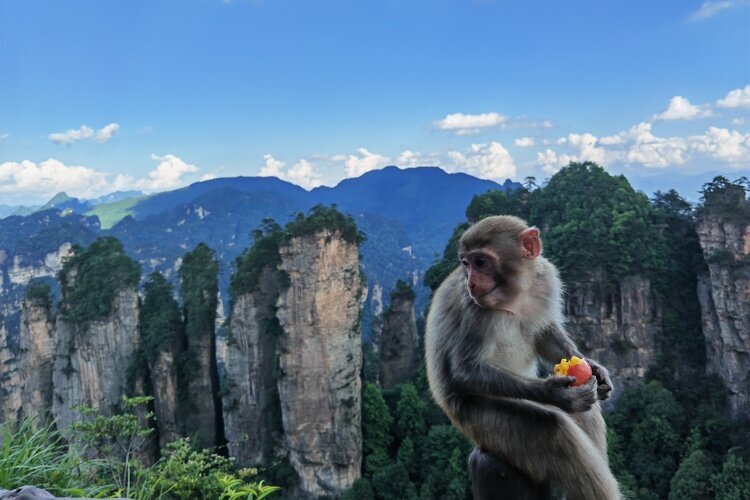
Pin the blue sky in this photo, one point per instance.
(152, 95)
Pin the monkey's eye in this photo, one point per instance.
(465, 262)
(480, 261)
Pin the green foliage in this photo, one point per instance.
(161, 321)
(34, 453)
(592, 220)
(200, 288)
(402, 290)
(38, 292)
(376, 429)
(726, 199)
(264, 253)
(693, 478)
(360, 490)
(320, 218)
(393, 483)
(410, 413)
(91, 278)
(498, 202)
(733, 482)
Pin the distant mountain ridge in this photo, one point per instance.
(406, 214)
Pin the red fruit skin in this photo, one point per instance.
(581, 372)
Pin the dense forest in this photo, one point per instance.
(671, 437)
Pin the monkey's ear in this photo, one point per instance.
(531, 243)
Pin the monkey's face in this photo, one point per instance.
(487, 279)
(495, 255)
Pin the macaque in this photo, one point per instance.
(491, 322)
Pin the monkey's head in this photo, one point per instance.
(495, 254)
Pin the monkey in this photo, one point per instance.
(490, 324)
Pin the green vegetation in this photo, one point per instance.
(402, 290)
(39, 292)
(110, 214)
(726, 199)
(319, 218)
(101, 460)
(90, 279)
(161, 322)
(264, 253)
(410, 449)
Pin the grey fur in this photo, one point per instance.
(482, 369)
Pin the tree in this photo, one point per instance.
(733, 482)
(693, 478)
(376, 430)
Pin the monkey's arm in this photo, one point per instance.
(553, 344)
(483, 380)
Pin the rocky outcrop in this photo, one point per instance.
(399, 343)
(163, 373)
(91, 360)
(10, 383)
(320, 359)
(724, 295)
(617, 325)
(252, 417)
(36, 356)
(201, 404)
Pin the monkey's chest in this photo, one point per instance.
(511, 348)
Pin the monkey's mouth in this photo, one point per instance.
(480, 299)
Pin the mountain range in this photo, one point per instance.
(407, 216)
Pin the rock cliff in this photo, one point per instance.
(617, 325)
(399, 342)
(92, 359)
(36, 354)
(724, 294)
(252, 418)
(320, 359)
(10, 384)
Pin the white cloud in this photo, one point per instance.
(712, 7)
(464, 124)
(302, 173)
(272, 168)
(680, 109)
(612, 140)
(168, 174)
(551, 162)
(489, 161)
(27, 179)
(524, 142)
(738, 121)
(84, 133)
(362, 162)
(4, 136)
(737, 98)
(106, 133)
(724, 144)
(653, 151)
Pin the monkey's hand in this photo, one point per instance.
(604, 382)
(570, 399)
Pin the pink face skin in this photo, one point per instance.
(482, 280)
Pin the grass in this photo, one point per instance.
(111, 213)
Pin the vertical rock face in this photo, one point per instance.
(37, 348)
(201, 408)
(163, 370)
(10, 383)
(91, 360)
(724, 295)
(617, 327)
(399, 345)
(320, 360)
(251, 394)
